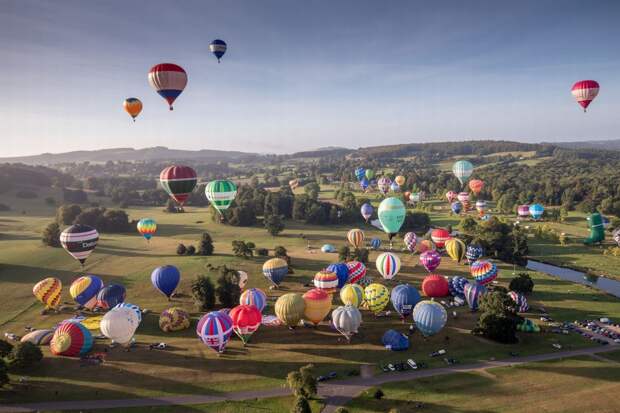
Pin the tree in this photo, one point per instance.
(312, 189)
(206, 244)
(4, 376)
(66, 214)
(24, 355)
(361, 255)
(203, 293)
(344, 253)
(228, 290)
(181, 250)
(498, 320)
(522, 283)
(51, 235)
(416, 221)
(191, 250)
(242, 249)
(302, 382)
(5, 348)
(274, 224)
(301, 405)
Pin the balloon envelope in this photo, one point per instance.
(119, 325)
(410, 240)
(377, 297)
(147, 227)
(246, 320)
(326, 281)
(318, 303)
(429, 317)
(84, 290)
(404, 297)
(221, 194)
(462, 170)
(214, 330)
(178, 181)
(174, 319)
(392, 215)
(430, 260)
(472, 292)
(166, 279)
(218, 48)
(584, 92)
(483, 271)
(133, 106)
(352, 294)
(71, 339)
(48, 291)
(342, 272)
(435, 285)
(275, 270)
(79, 241)
(456, 249)
(168, 80)
(356, 237)
(388, 265)
(347, 320)
(395, 341)
(255, 297)
(110, 295)
(357, 270)
(367, 211)
(290, 309)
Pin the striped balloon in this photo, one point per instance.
(462, 170)
(79, 241)
(536, 211)
(84, 290)
(221, 194)
(456, 249)
(178, 181)
(440, 236)
(147, 227)
(48, 291)
(275, 270)
(388, 265)
(410, 240)
(38, 337)
(218, 48)
(357, 270)
(483, 271)
(356, 237)
(377, 297)
(174, 319)
(352, 294)
(429, 317)
(584, 92)
(451, 196)
(255, 297)
(456, 285)
(523, 211)
(375, 243)
(133, 106)
(71, 339)
(168, 80)
(430, 260)
(473, 253)
(472, 293)
(326, 281)
(520, 301)
(214, 330)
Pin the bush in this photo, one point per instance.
(361, 255)
(378, 394)
(274, 224)
(498, 320)
(344, 253)
(203, 293)
(66, 214)
(51, 235)
(5, 348)
(242, 249)
(228, 290)
(301, 405)
(206, 244)
(522, 283)
(191, 250)
(302, 382)
(341, 410)
(281, 252)
(4, 376)
(24, 355)
(262, 252)
(181, 250)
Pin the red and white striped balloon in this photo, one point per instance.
(585, 91)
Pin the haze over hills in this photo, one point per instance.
(612, 144)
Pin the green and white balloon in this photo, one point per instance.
(221, 194)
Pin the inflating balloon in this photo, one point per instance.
(430, 260)
(119, 325)
(377, 297)
(473, 253)
(440, 236)
(168, 80)
(71, 339)
(178, 181)
(429, 317)
(246, 320)
(214, 330)
(133, 308)
(166, 279)
(174, 319)
(221, 194)
(347, 320)
(342, 272)
(49, 292)
(388, 265)
(463, 198)
(79, 241)
(275, 270)
(520, 301)
(395, 341)
(426, 245)
(133, 106)
(483, 271)
(290, 309)
(318, 304)
(357, 270)
(110, 296)
(84, 290)
(352, 294)
(255, 297)
(472, 292)
(356, 238)
(404, 297)
(456, 285)
(435, 285)
(456, 249)
(411, 241)
(242, 276)
(326, 280)
(38, 337)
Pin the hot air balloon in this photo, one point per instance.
(133, 106)
(451, 196)
(523, 211)
(79, 241)
(481, 206)
(166, 279)
(384, 184)
(369, 174)
(456, 285)
(84, 290)
(473, 253)
(394, 187)
(275, 270)
(327, 248)
(255, 297)
(435, 285)
(326, 280)
(133, 308)
(462, 170)
(242, 276)
(404, 297)
(440, 236)
(352, 294)
(110, 295)
(456, 249)
(430, 260)
(290, 309)
(246, 320)
(360, 173)
(214, 330)
(168, 80)
(391, 215)
(395, 341)
(472, 292)
(218, 48)
(410, 240)
(584, 92)
(71, 339)
(456, 207)
(483, 271)
(342, 272)
(400, 180)
(178, 181)
(119, 325)
(429, 317)
(375, 243)
(463, 198)
(38, 337)
(426, 245)
(364, 184)
(347, 320)
(536, 211)
(49, 292)
(318, 304)
(520, 301)
(388, 265)
(174, 319)
(293, 184)
(356, 238)
(377, 297)
(357, 270)
(221, 194)
(147, 227)
(366, 211)
(476, 185)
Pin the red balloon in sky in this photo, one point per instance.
(585, 91)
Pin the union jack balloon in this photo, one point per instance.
(215, 329)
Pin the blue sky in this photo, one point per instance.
(304, 74)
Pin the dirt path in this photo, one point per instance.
(336, 393)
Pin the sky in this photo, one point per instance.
(301, 75)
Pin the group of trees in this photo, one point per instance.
(304, 386)
(205, 247)
(498, 319)
(17, 358)
(499, 239)
(227, 290)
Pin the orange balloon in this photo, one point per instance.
(476, 185)
(133, 106)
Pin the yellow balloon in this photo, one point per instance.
(48, 291)
(352, 294)
(400, 180)
(290, 308)
(456, 249)
(318, 303)
(377, 297)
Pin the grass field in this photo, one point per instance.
(569, 385)
(189, 367)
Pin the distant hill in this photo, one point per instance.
(129, 154)
(612, 144)
(322, 152)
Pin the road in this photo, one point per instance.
(336, 393)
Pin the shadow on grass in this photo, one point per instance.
(29, 275)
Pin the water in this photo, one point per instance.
(605, 284)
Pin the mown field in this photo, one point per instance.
(189, 367)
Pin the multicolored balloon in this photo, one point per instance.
(456, 285)
(110, 296)
(463, 198)
(179, 182)
(352, 294)
(520, 301)
(84, 290)
(584, 92)
(440, 236)
(476, 185)
(429, 317)
(326, 281)
(411, 241)
(174, 319)
(290, 309)
(168, 80)
(49, 292)
(383, 184)
(342, 272)
(462, 170)
(318, 305)
(451, 196)
(133, 308)
(347, 320)
(246, 321)
(218, 48)
(79, 241)
(356, 237)
(133, 106)
(255, 297)
(221, 194)
(473, 253)
(483, 271)
(357, 270)
(536, 211)
(404, 297)
(472, 292)
(214, 330)
(391, 215)
(166, 279)
(147, 227)
(360, 173)
(456, 249)
(275, 270)
(430, 260)
(388, 265)
(377, 297)
(71, 339)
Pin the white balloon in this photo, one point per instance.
(119, 324)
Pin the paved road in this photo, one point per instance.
(336, 393)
